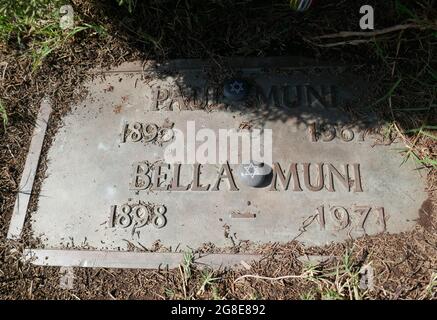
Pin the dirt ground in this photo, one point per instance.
(401, 62)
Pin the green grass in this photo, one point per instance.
(340, 282)
(389, 94)
(207, 280)
(185, 270)
(22, 20)
(3, 115)
(56, 39)
(194, 284)
(431, 288)
(409, 102)
(32, 26)
(410, 150)
(308, 296)
(335, 282)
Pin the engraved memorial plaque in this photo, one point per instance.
(329, 176)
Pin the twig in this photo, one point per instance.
(183, 282)
(3, 65)
(269, 278)
(74, 296)
(398, 47)
(342, 43)
(110, 295)
(347, 34)
(31, 290)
